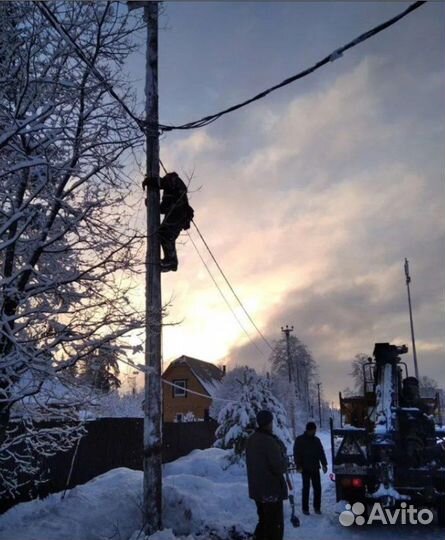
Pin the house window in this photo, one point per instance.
(180, 388)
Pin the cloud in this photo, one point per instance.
(311, 207)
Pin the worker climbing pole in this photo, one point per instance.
(178, 215)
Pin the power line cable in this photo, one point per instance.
(143, 369)
(214, 398)
(163, 167)
(206, 120)
(54, 22)
(228, 283)
(266, 341)
(58, 26)
(222, 294)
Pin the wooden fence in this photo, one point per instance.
(108, 444)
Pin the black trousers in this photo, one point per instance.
(308, 478)
(168, 233)
(270, 521)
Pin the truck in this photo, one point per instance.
(390, 446)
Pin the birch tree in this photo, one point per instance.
(67, 251)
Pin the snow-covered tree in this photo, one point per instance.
(347, 392)
(237, 419)
(357, 372)
(115, 404)
(428, 386)
(65, 234)
(294, 382)
(264, 399)
(229, 389)
(101, 369)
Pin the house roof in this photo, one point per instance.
(208, 374)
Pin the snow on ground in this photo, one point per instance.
(106, 507)
(201, 494)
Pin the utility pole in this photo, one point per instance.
(319, 402)
(286, 331)
(152, 459)
(306, 388)
(152, 485)
(408, 281)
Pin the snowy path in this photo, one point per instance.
(199, 492)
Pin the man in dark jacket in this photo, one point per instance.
(308, 454)
(266, 464)
(178, 215)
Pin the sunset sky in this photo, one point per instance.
(312, 197)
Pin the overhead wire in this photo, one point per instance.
(214, 398)
(263, 337)
(143, 369)
(163, 167)
(61, 30)
(227, 282)
(206, 120)
(222, 294)
(55, 23)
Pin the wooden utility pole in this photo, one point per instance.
(319, 402)
(307, 395)
(152, 488)
(408, 281)
(286, 331)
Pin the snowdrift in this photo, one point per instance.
(204, 499)
(105, 507)
(202, 495)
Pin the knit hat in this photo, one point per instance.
(264, 418)
(310, 426)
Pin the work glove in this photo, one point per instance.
(325, 469)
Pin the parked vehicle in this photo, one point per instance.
(390, 447)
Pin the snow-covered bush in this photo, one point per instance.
(237, 419)
(267, 400)
(114, 404)
(189, 417)
(228, 390)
